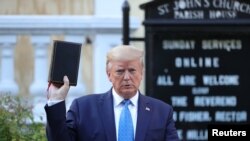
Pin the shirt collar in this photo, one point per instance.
(118, 99)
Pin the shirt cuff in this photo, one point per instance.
(53, 102)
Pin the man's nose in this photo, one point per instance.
(126, 75)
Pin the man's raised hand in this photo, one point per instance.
(59, 92)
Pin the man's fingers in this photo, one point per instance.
(57, 85)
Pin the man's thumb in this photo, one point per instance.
(66, 81)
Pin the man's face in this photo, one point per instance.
(125, 77)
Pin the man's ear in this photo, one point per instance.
(108, 74)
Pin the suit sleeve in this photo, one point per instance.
(58, 128)
(171, 132)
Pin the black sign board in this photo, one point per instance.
(197, 60)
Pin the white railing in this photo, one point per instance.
(105, 32)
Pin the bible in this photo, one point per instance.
(65, 60)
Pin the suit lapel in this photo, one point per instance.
(143, 118)
(107, 115)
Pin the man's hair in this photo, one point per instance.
(124, 53)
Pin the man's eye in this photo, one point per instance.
(132, 70)
(119, 72)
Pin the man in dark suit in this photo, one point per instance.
(100, 117)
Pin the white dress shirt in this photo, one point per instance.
(117, 99)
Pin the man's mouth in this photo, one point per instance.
(127, 85)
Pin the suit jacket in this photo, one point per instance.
(91, 118)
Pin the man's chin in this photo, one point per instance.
(128, 93)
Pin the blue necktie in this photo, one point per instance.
(126, 130)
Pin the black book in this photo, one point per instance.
(65, 60)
